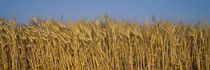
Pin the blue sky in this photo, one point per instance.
(190, 10)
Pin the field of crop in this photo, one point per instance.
(104, 44)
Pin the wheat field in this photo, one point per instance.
(103, 43)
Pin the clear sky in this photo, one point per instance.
(190, 10)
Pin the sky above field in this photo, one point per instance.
(189, 10)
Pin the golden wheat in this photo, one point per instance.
(103, 44)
